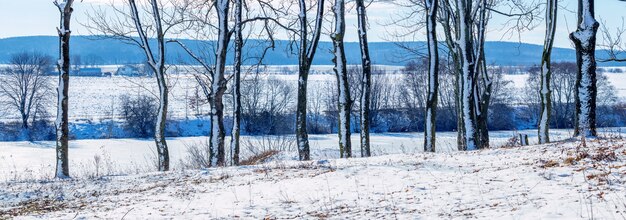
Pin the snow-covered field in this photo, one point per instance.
(36, 160)
(115, 178)
(100, 97)
(568, 180)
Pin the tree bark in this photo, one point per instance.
(306, 54)
(484, 88)
(433, 76)
(467, 82)
(366, 80)
(545, 90)
(586, 91)
(62, 122)
(236, 130)
(344, 102)
(218, 87)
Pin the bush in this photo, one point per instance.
(139, 114)
(198, 155)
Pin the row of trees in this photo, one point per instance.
(216, 20)
(148, 24)
(464, 24)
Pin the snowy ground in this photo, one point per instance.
(568, 180)
(35, 160)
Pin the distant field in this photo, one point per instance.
(99, 97)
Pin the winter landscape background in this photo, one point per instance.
(241, 78)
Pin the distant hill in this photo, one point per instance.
(97, 50)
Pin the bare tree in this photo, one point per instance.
(135, 21)
(217, 86)
(433, 75)
(212, 79)
(586, 91)
(24, 84)
(236, 130)
(467, 78)
(62, 122)
(306, 53)
(546, 101)
(265, 103)
(343, 86)
(474, 90)
(563, 89)
(366, 80)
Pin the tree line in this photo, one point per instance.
(463, 25)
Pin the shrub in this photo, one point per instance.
(139, 114)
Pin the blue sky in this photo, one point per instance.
(40, 17)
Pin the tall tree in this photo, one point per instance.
(433, 75)
(236, 130)
(156, 62)
(306, 53)
(344, 102)
(218, 86)
(546, 73)
(586, 91)
(62, 122)
(366, 79)
(467, 79)
(24, 85)
(484, 86)
(145, 24)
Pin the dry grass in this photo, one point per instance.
(259, 158)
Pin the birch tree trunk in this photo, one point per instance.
(585, 98)
(157, 64)
(218, 87)
(341, 72)
(306, 54)
(433, 75)
(366, 79)
(467, 82)
(236, 130)
(62, 122)
(545, 91)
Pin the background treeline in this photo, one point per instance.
(268, 103)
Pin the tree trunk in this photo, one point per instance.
(366, 80)
(483, 117)
(585, 98)
(236, 130)
(344, 102)
(306, 54)
(62, 122)
(545, 91)
(218, 88)
(433, 76)
(467, 82)
(483, 92)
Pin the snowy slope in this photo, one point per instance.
(567, 180)
(35, 160)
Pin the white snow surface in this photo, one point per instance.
(553, 181)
